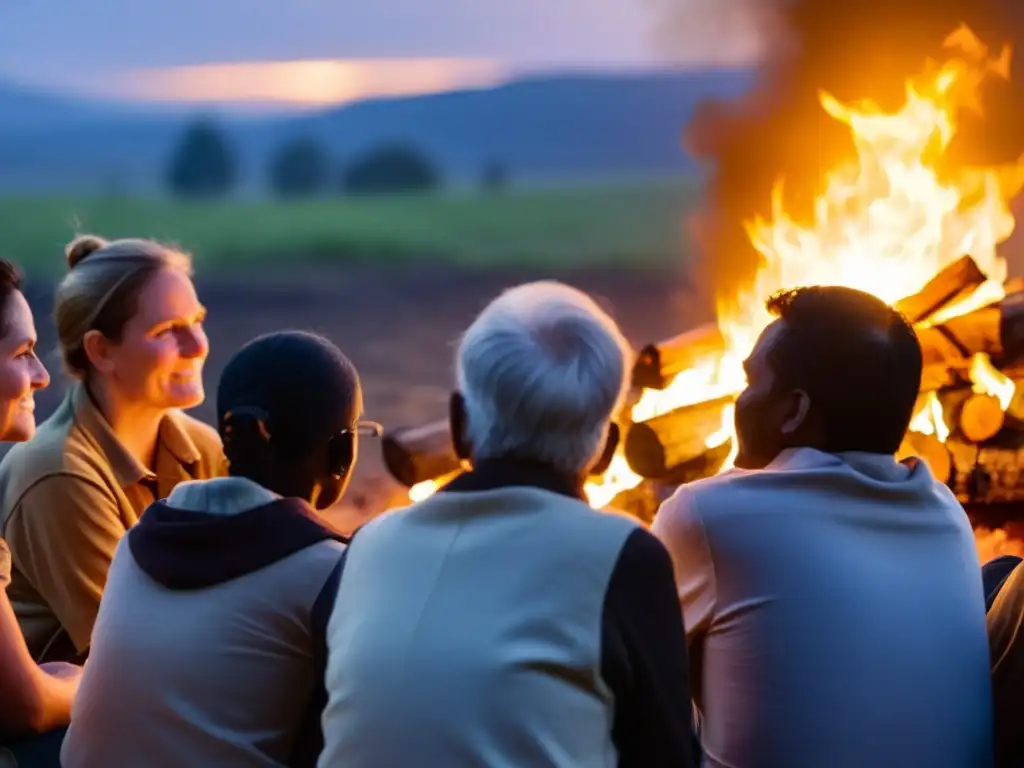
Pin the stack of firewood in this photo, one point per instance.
(978, 449)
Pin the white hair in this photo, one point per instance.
(542, 371)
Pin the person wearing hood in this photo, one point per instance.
(208, 648)
(832, 595)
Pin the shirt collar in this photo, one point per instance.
(492, 474)
(128, 470)
(880, 466)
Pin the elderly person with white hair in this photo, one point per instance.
(502, 621)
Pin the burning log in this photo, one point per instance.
(658, 447)
(938, 376)
(994, 477)
(657, 364)
(981, 417)
(646, 497)
(955, 282)
(932, 451)
(996, 330)
(707, 464)
(415, 454)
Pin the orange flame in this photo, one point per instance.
(987, 380)
(885, 223)
(929, 419)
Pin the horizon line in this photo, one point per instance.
(303, 84)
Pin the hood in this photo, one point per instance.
(878, 467)
(884, 468)
(211, 531)
(880, 475)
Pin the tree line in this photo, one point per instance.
(204, 165)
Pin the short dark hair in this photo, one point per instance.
(288, 392)
(857, 358)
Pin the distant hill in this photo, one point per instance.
(26, 109)
(541, 128)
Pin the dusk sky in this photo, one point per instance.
(320, 51)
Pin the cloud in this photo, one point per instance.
(102, 34)
(302, 83)
(314, 52)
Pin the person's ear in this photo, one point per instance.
(457, 423)
(611, 443)
(99, 350)
(797, 412)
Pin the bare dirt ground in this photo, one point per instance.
(399, 327)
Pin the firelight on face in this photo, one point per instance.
(160, 357)
(21, 372)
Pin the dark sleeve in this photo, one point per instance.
(643, 659)
(310, 740)
(1006, 647)
(994, 574)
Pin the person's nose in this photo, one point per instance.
(40, 376)
(193, 343)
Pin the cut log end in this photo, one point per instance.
(981, 418)
(996, 330)
(413, 455)
(657, 447)
(657, 364)
(645, 453)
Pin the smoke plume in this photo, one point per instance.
(855, 50)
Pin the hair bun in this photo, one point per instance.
(81, 247)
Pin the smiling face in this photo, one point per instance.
(21, 372)
(158, 361)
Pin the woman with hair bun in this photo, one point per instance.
(130, 328)
(210, 646)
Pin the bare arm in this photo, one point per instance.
(31, 701)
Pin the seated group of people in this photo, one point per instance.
(175, 596)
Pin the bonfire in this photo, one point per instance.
(889, 222)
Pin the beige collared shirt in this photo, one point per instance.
(66, 499)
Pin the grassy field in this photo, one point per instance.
(625, 223)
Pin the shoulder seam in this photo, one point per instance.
(16, 507)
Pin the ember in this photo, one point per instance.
(900, 220)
